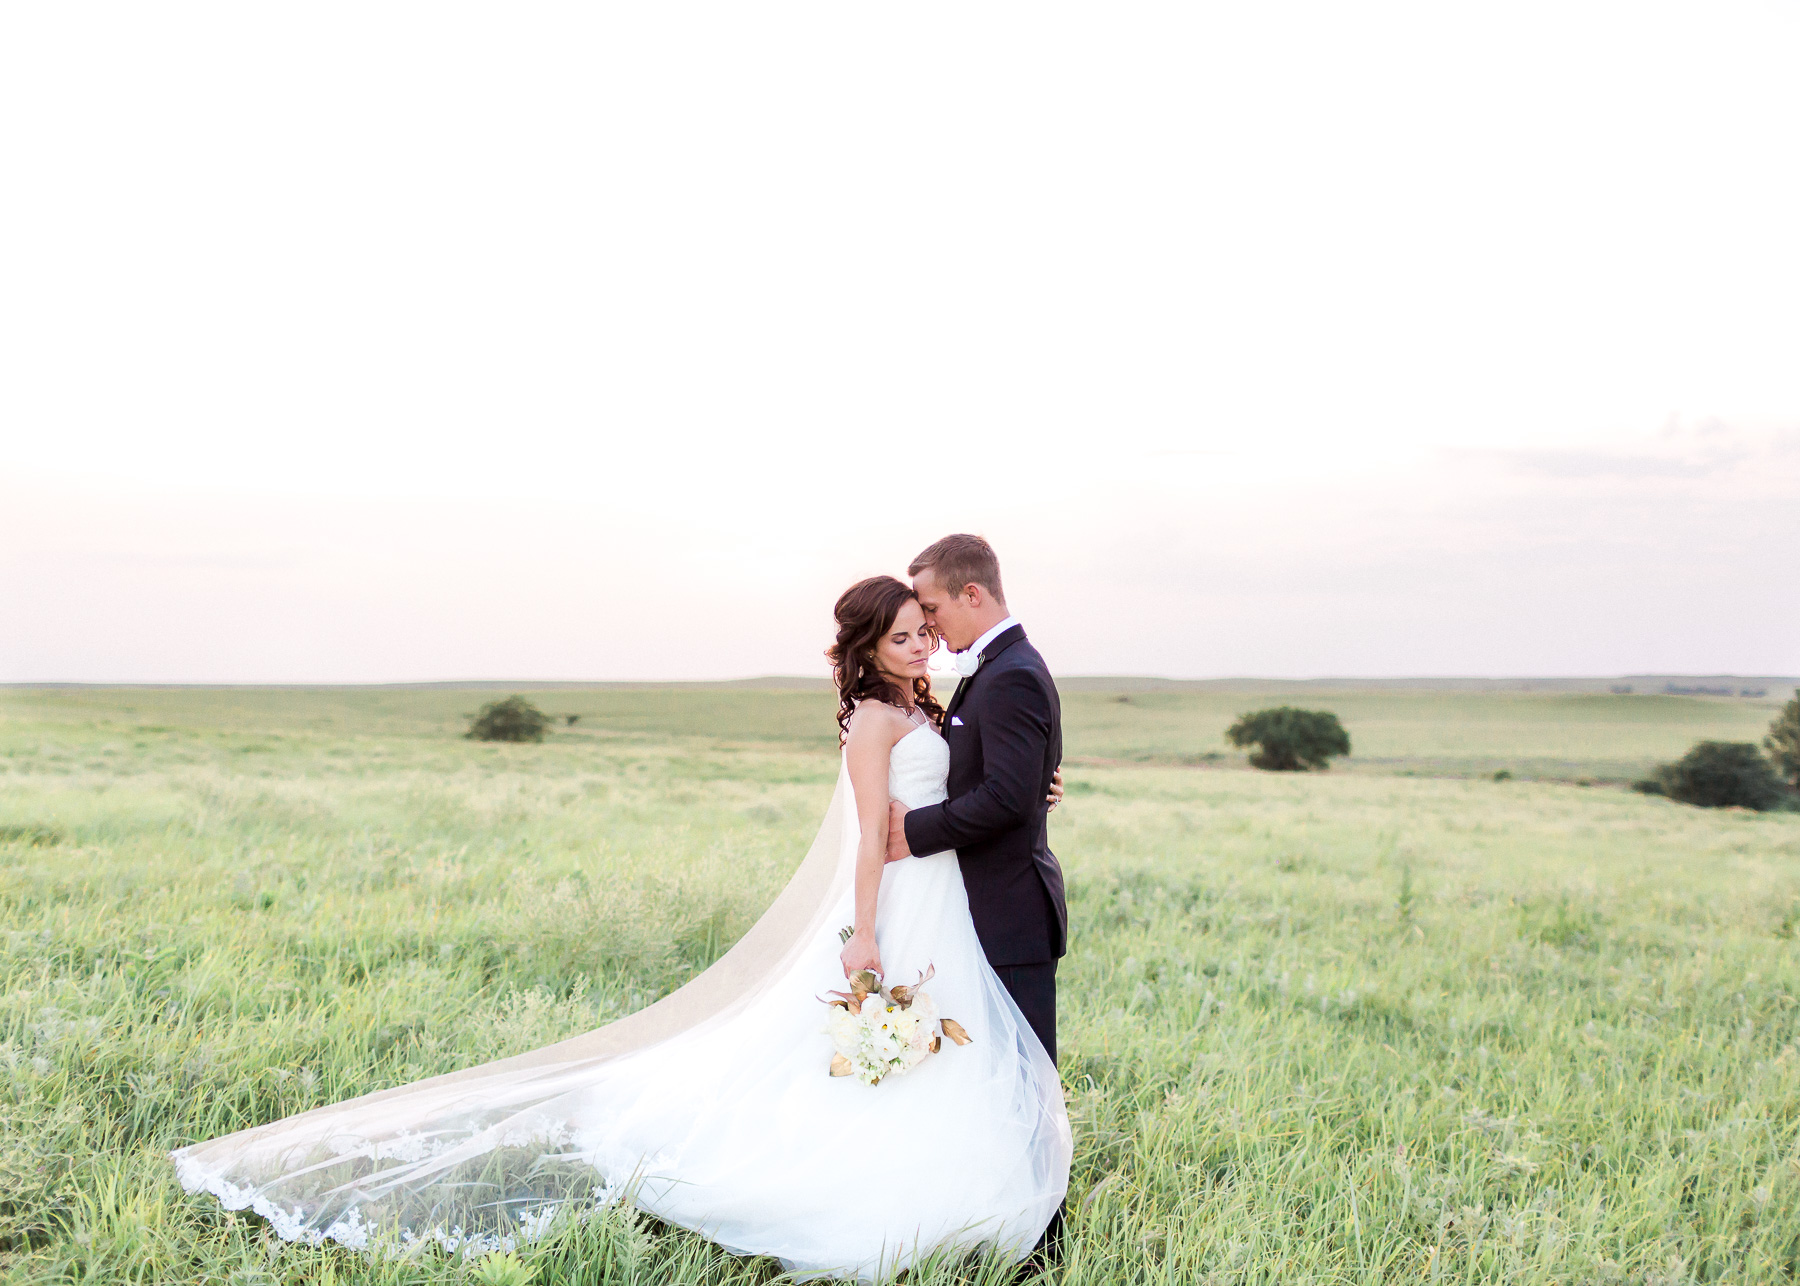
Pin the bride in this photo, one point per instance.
(716, 1108)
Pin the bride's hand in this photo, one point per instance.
(1056, 790)
(860, 952)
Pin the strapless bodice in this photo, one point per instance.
(919, 767)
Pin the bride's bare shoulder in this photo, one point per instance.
(876, 722)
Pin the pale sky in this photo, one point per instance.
(406, 342)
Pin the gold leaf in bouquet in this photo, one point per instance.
(864, 981)
(903, 995)
(840, 1066)
(954, 1030)
(937, 1043)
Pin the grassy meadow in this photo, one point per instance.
(1395, 1022)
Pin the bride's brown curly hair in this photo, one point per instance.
(865, 612)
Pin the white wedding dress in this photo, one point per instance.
(714, 1108)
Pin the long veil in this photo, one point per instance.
(480, 1157)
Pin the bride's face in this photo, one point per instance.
(904, 651)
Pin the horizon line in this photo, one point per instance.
(792, 680)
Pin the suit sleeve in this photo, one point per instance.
(1015, 733)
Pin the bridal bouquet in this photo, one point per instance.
(883, 1031)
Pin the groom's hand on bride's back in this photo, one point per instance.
(897, 848)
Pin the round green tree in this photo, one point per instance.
(1290, 740)
(1783, 741)
(1719, 774)
(514, 719)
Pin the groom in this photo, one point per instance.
(1004, 727)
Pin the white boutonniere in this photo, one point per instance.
(965, 663)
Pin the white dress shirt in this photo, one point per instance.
(979, 644)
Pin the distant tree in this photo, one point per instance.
(1289, 740)
(514, 719)
(1783, 741)
(1719, 774)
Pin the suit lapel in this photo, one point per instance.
(962, 686)
(993, 649)
(1001, 643)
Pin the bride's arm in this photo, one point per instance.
(871, 742)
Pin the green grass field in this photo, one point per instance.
(1398, 1021)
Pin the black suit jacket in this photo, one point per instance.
(1004, 726)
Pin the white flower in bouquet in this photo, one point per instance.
(925, 1018)
(843, 1028)
(882, 1031)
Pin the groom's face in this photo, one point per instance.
(953, 616)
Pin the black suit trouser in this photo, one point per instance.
(1033, 989)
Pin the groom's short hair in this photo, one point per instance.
(956, 561)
